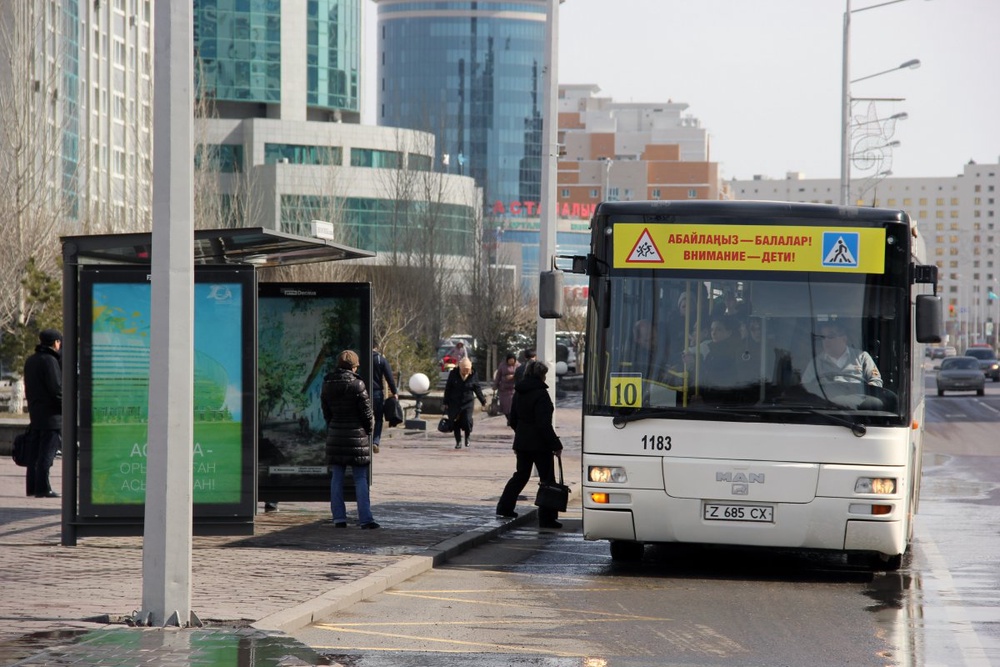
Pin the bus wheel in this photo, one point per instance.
(623, 551)
(890, 563)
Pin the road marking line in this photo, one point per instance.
(455, 642)
(964, 631)
(521, 606)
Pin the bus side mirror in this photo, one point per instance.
(550, 295)
(928, 319)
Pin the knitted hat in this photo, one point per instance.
(49, 336)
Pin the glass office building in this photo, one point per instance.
(283, 81)
(239, 46)
(471, 74)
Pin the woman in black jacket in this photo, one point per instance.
(535, 441)
(460, 392)
(347, 409)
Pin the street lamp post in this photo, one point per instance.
(846, 100)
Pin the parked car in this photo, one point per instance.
(961, 374)
(988, 362)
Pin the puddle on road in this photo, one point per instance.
(127, 647)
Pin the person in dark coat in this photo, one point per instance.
(535, 441)
(381, 373)
(460, 392)
(347, 409)
(43, 389)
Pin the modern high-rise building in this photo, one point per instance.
(957, 217)
(88, 70)
(280, 84)
(471, 73)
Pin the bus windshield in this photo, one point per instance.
(770, 346)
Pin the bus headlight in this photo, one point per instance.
(878, 485)
(606, 474)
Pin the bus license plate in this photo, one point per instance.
(756, 513)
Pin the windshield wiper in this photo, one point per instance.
(621, 419)
(857, 428)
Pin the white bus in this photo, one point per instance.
(802, 428)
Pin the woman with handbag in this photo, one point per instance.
(460, 394)
(535, 441)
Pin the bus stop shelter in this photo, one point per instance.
(100, 495)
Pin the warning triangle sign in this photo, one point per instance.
(644, 251)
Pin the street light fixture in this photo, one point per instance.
(909, 64)
(845, 118)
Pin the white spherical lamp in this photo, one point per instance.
(419, 383)
(561, 368)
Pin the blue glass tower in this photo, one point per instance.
(470, 73)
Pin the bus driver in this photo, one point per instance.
(840, 372)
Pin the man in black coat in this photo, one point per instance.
(381, 373)
(347, 409)
(43, 389)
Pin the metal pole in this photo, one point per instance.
(550, 155)
(845, 113)
(166, 548)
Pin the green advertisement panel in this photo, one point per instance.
(114, 391)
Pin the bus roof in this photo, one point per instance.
(754, 209)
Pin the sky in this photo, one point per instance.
(763, 77)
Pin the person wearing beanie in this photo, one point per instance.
(43, 389)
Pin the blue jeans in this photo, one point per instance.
(360, 474)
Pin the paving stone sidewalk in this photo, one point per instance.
(431, 499)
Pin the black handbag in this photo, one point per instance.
(19, 451)
(553, 495)
(446, 425)
(494, 407)
(393, 411)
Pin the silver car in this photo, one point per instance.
(960, 374)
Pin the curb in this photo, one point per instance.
(342, 597)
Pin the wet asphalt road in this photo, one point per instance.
(550, 598)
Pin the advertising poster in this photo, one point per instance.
(302, 327)
(115, 353)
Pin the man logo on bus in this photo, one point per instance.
(740, 481)
(840, 249)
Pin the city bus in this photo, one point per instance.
(751, 438)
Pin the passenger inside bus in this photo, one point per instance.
(649, 353)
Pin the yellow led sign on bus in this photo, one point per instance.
(749, 248)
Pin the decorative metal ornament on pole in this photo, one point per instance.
(846, 101)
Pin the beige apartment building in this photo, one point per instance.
(621, 151)
(955, 215)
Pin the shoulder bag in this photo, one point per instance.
(553, 495)
(19, 452)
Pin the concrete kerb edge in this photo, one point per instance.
(342, 597)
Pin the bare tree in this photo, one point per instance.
(31, 139)
(495, 296)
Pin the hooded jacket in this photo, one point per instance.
(347, 409)
(531, 417)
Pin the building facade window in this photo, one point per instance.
(299, 154)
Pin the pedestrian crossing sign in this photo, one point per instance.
(840, 249)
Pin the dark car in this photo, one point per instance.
(961, 374)
(988, 362)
